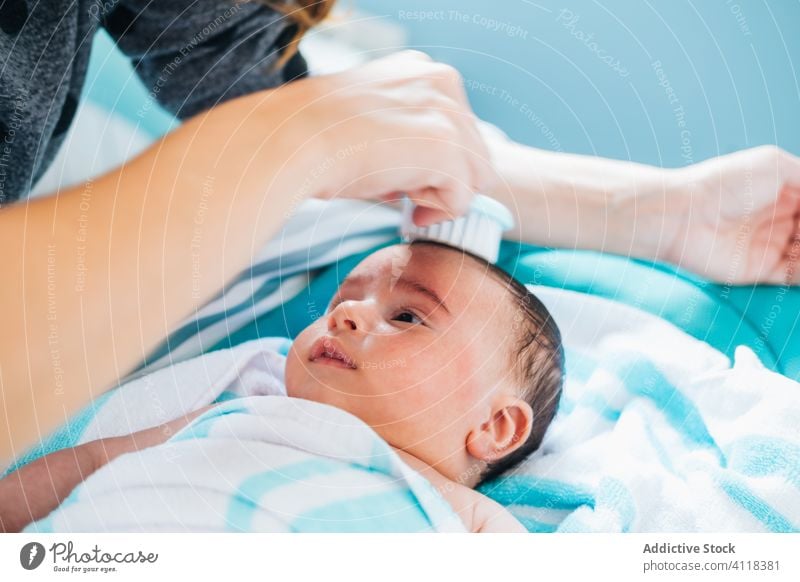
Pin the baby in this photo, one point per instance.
(449, 359)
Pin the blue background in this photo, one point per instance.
(733, 67)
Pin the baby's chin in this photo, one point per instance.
(301, 384)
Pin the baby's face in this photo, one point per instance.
(416, 344)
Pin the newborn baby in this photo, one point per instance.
(450, 360)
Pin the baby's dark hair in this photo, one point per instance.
(537, 358)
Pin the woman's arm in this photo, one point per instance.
(582, 202)
(32, 492)
(94, 277)
(733, 219)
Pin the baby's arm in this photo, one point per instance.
(36, 489)
(479, 513)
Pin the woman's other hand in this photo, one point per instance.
(736, 218)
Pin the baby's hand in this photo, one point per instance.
(479, 513)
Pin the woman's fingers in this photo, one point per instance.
(482, 172)
(451, 83)
(791, 255)
(392, 197)
(790, 168)
(424, 216)
(437, 188)
(448, 97)
(428, 208)
(438, 205)
(418, 131)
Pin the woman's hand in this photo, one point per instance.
(398, 124)
(736, 218)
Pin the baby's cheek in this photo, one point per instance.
(297, 369)
(464, 371)
(434, 385)
(456, 358)
(292, 373)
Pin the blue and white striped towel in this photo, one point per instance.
(656, 432)
(259, 461)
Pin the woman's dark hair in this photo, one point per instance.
(305, 14)
(538, 358)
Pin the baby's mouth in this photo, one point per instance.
(326, 350)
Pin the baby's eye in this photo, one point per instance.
(407, 316)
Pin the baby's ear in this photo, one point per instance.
(506, 429)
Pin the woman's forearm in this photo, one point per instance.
(94, 277)
(573, 201)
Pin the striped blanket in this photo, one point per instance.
(258, 461)
(656, 432)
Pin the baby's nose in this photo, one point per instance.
(349, 316)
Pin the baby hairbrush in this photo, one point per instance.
(479, 231)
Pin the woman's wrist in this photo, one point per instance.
(583, 202)
(647, 215)
(660, 211)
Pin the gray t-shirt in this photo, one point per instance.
(190, 55)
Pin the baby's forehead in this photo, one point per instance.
(422, 258)
(453, 272)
